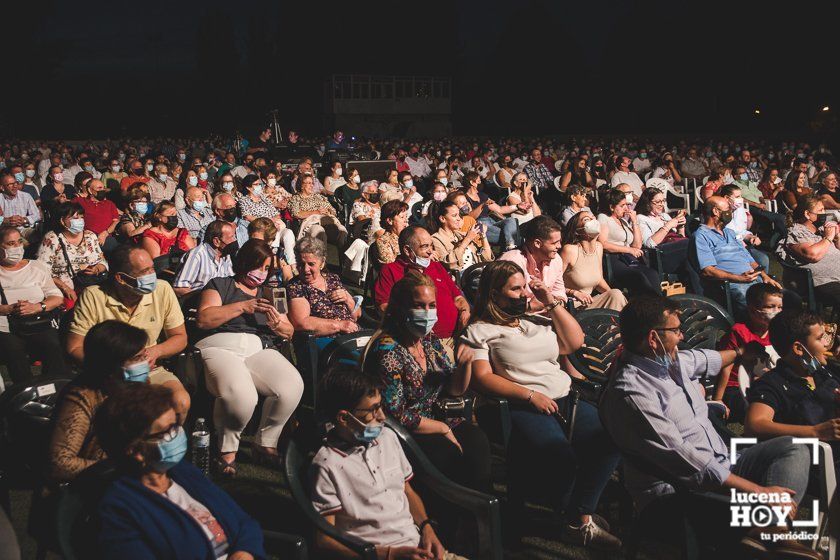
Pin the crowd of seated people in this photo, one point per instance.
(85, 297)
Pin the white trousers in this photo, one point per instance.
(238, 369)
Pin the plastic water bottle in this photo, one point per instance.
(201, 446)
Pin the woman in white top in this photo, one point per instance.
(27, 290)
(622, 240)
(518, 360)
(661, 230)
(334, 179)
(523, 193)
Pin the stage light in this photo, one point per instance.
(825, 109)
(757, 112)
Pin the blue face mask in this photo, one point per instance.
(745, 177)
(812, 365)
(171, 452)
(199, 205)
(141, 207)
(146, 284)
(257, 190)
(227, 187)
(369, 433)
(77, 225)
(422, 321)
(138, 372)
(665, 360)
(20, 177)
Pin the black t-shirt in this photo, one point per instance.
(481, 198)
(250, 323)
(793, 401)
(835, 195)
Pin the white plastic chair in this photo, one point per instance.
(666, 188)
(743, 381)
(829, 517)
(599, 182)
(557, 181)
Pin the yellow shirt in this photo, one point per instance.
(156, 312)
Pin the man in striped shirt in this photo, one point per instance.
(210, 259)
(17, 208)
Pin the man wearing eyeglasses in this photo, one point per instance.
(655, 411)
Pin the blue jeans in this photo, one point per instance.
(542, 462)
(776, 462)
(760, 257)
(501, 232)
(738, 293)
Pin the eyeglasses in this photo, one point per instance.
(675, 330)
(166, 435)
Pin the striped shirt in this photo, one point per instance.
(192, 223)
(22, 204)
(201, 266)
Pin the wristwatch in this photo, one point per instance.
(43, 307)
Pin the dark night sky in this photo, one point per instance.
(93, 68)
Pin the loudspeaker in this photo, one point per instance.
(370, 170)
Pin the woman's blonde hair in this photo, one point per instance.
(264, 226)
(494, 276)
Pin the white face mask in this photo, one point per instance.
(339, 172)
(357, 179)
(737, 202)
(629, 197)
(444, 181)
(192, 180)
(439, 196)
(13, 255)
(271, 181)
(777, 180)
(592, 228)
(728, 180)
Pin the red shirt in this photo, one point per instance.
(131, 179)
(99, 214)
(740, 335)
(445, 293)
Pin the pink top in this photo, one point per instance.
(550, 273)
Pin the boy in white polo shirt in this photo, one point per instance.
(360, 477)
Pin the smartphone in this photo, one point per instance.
(277, 297)
(759, 268)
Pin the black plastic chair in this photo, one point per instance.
(703, 321)
(800, 280)
(75, 531)
(417, 213)
(484, 508)
(298, 457)
(601, 341)
(469, 280)
(311, 362)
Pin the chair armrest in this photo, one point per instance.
(589, 390)
(483, 507)
(288, 546)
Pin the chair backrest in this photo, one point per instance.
(76, 525)
(602, 338)
(469, 280)
(417, 213)
(344, 348)
(557, 181)
(703, 322)
(297, 461)
(800, 279)
(743, 380)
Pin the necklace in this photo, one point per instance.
(582, 250)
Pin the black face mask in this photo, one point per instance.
(373, 198)
(171, 222)
(230, 249)
(100, 195)
(229, 215)
(820, 221)
(725, 217)
(138, 171)
(516, 307)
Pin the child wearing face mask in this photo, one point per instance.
(387, 513)
(764, 302)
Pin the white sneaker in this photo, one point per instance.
(592, 535)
